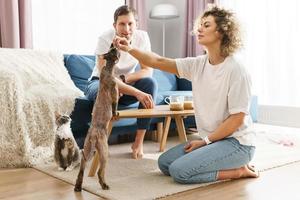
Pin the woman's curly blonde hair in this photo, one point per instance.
(227, 26)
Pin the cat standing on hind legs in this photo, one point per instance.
(105, 108)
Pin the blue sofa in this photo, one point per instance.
(80, 68)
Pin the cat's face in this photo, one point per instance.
(112, 55)
(61, 119)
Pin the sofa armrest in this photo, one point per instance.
(253, 108)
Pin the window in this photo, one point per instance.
(271, 48)
(71, 26)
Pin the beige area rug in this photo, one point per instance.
(141, 179)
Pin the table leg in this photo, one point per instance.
(160, 129)
(109, 128)
(94, 165)
(180, 128)
(165, 133)
(95, 162)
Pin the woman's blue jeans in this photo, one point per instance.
(202, 164)
(147, 85)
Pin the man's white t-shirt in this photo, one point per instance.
(127, 63)
(218, 91)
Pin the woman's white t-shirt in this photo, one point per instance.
(218, 91)
(127, 63)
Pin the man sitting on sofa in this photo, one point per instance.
(134, 85)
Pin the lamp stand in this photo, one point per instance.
(164, 31)
(164, 11)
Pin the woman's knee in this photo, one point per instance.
(170, 156)
(177, 173)
(163, 164)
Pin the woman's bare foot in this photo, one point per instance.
(137, 151)
(248, 171)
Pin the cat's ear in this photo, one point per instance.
(57, 115)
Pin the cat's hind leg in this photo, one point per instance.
(78, 185)
(102, 148)
(60, 169)
(86, 154)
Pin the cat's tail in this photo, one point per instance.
(89, 146)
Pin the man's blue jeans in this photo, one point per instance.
(202, 164)
(147, 85)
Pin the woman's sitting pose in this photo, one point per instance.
(221, 94)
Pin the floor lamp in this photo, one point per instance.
(163, 12)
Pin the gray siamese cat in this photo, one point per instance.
(66, 151)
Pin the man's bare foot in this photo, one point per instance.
(137, 151)
(248, 171)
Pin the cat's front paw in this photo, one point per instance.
(105, 186)
(77, 188)
(60, 169)
(70, 168)
(115, 116)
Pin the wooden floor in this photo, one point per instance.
(279, 183)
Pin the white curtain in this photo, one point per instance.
(271, 51)
(71, 26)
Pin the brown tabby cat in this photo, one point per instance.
(105, 108)
(66, 151)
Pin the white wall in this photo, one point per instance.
(71, 26)
(174, 29)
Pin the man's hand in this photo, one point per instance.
(192, 145)
(122, 43)
(145, 99)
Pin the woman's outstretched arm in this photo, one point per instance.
(148, 58)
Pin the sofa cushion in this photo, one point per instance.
(166, 81)
(253, 108)
(80, 69)
(183, 84)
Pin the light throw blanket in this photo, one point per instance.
(33, 84)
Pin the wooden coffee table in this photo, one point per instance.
(158, 111)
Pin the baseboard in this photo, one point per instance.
(279, 115)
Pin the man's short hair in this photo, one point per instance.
(124, 10)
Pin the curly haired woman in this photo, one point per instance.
(221, 93)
